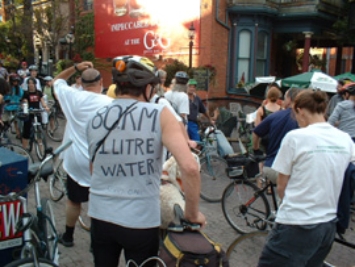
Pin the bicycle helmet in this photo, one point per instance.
(14, 78)
(134, 71)
(181, 77)
(33, 67)
(349, 88)
(48, 78)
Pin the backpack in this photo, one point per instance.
(185, 247)
(191, 249)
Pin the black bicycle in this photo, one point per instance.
(56, 123)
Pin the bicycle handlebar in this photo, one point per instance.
(36, 169)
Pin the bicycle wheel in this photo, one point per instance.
(48, 228)
(40, 144)
(29, 262)
(245, 219)
(21, 151)
(214, 178)
(54, 130)
(57, 183)
(246, 249)
(84, 219)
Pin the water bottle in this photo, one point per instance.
(25, 108)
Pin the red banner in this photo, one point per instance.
(145, 27)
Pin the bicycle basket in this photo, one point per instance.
(251, 167)
(22, 116)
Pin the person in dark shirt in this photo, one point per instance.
(32, 97)
(196, 107)
(276, 126)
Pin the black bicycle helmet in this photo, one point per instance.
(136, 71)
(350, 88)
(14, 78)
(181, 77)
(33, 67)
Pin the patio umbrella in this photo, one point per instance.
(312, 79)
(345, 76)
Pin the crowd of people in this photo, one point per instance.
(121, 139)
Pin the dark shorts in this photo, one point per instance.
(76, 192)
(298, 245)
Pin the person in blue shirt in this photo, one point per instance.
(13, 100)
(196, 107)
(276, 126)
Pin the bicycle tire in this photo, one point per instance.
(84, 219)
(57, 183)
(21, 151)
(49, 231)
(212, 185)
(246, 249)
(29, 262)
(252, 218)
(56, 188)
(55, 134)
(40, 149)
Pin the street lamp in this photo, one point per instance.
(70, 38)
(191, 43)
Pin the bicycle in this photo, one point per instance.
(39, 233)
(37, 137)
(244, 205)
(213, 176)
(55, 122)
(58, 189)
(6, 142)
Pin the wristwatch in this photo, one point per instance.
(76, 67)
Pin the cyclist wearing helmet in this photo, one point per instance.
(126, 167)
(48, 88)
(343, 115)
(33, 73)
(23, 71)
(196, 106)
(178, 95)
(78, 107)
(14, 99)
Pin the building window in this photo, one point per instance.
(244, 55)
(88, 4)
(261, 54)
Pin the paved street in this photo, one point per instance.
(217, 228)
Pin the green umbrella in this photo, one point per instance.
(313, 79)
(345, 76)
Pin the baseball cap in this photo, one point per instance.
(192, 82)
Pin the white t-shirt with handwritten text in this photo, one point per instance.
(316, 158)
(79, 107)
(127, 167)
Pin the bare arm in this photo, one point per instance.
(44, 105)
(256, 141)
(259, 115)
(175, 141)
(282, 181)
(67, 73)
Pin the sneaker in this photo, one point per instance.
(65, 243)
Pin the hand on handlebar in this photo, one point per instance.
(258, 152)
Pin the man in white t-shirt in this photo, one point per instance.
(311, 164)
(77, 107)
(178, 95)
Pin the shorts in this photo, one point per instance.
(76, 192)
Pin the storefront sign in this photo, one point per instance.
(144, 27)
